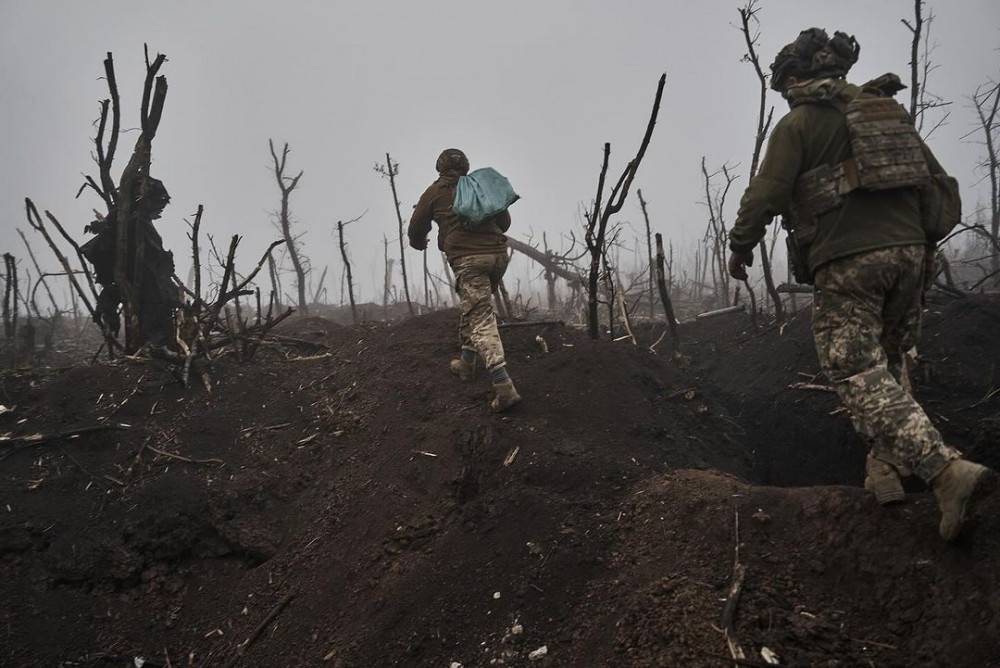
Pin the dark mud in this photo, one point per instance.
(411, 527)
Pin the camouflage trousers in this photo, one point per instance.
(476, 278)
(866, 315)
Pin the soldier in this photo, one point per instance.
(846, 168)
(479, 259)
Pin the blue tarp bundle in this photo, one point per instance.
(482, 194)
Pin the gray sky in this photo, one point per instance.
(530, 88)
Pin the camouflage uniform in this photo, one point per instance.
(866, 315)
(477, 276)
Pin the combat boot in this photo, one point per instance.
(506, 396)
(882, 480)
(956, 488)
(464, 370)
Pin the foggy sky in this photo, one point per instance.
(530, 88)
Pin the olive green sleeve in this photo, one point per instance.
(420, 221)
(770, 191)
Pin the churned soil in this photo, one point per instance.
(343, 500)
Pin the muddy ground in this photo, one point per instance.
(346, 502)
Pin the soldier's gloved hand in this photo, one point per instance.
(738, 263)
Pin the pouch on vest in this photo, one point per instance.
(940, 207)
(480, 195)
(885, 145)
(886, 153)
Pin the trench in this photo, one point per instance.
(801, 446)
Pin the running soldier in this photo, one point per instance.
(847, 169)
(479, 259)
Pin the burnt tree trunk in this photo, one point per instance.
(10, 299)
(41, 274)
(427, 287)
(272, 270)
(347, 269)
(448, 276)
(597, 223)
(545, 260)
(387, 279)
(138, 201)
(392, 170)
(286, 184)
(649, 249)
(987, 112)
(747, 14)
(661, 283)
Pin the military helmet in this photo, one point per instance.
(452, 161)
(813, 55)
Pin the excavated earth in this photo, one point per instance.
(343, 501)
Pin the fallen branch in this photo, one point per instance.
(530, 323)
(309, 358)
(720, 311)
(733, 597)
(35, 439)
(124, 401)
(874, 643)
(652, 346)
(183, 458)
(291, 339)
(274, 612)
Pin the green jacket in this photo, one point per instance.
(810, 135)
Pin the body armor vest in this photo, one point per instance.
(886, 153)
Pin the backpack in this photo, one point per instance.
(481, 195)
(940, 207)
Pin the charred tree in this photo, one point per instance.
(130, 263)
(427, 287)
(390, 170)
(668, 305)
(916, 28)
(41, 275)
(91, 302)
(287, 184)
(448, 277)
(387, 279)
(318, 293)
(147, 313)
(347, 269)
(649, 250)
(551, 263)
(987, 103)
(10, 314)
(597, 219)
(748, 15)
(921, 65)
(551, 299)
(272, 270)
(717, 234)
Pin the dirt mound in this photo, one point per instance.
(831, 579)
(359, 506)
